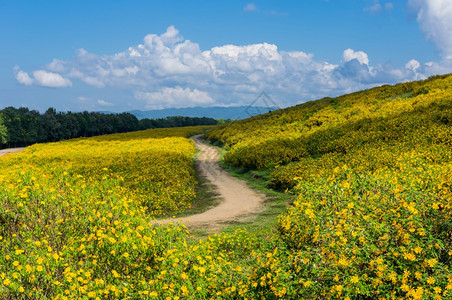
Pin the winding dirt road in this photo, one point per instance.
(10, 150)
(238, 200)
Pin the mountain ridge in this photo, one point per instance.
(215, 112)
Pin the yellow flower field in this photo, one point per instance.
(372, 172)
(75, 216)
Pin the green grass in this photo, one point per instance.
(276, 202)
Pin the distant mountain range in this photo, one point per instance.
(216, 112)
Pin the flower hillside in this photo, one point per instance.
(372, 171)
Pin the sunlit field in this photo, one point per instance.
(372, 172)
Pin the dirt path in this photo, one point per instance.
(10, 150)
(239, 201)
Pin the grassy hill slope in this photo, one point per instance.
(355, 129)
(373, 171)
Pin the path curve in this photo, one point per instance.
(238, 200)
(10, 150)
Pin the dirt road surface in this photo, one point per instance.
(238, 200)
(10, 150)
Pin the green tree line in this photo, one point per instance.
(22, 127)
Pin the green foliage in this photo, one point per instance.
(3, 131)
(26, 127)
(176, 121)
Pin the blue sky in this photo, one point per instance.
(124, 55)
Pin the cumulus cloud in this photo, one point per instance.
(434, 17)
(49, 79)
(56, 66)
(23, 78)
(174, 97)
(42, 78)
(104, 103)
(360, 56)
(168, 70)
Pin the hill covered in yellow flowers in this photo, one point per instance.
(373, 174)
(366, 130)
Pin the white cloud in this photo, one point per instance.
(167, 70)
(56, 66)
(413, 65)
(104, 103)
(360, 56)
(174, 97)
(42, 78)
(250, 7)
(23, 78)
(49, 79)
(83, 99)
(435, 20)
(93, 81)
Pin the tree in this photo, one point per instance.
(3, 131)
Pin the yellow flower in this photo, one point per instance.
(184, 290)
(39, 268)
(92, 294)
(432, 262)
(437, 289)
(126, 255)
(153, 294)
(354, 279)
(409, 256)
(431, 280)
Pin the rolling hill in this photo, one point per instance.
(373, 175)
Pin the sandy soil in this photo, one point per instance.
(10, 150)
(239, 201)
